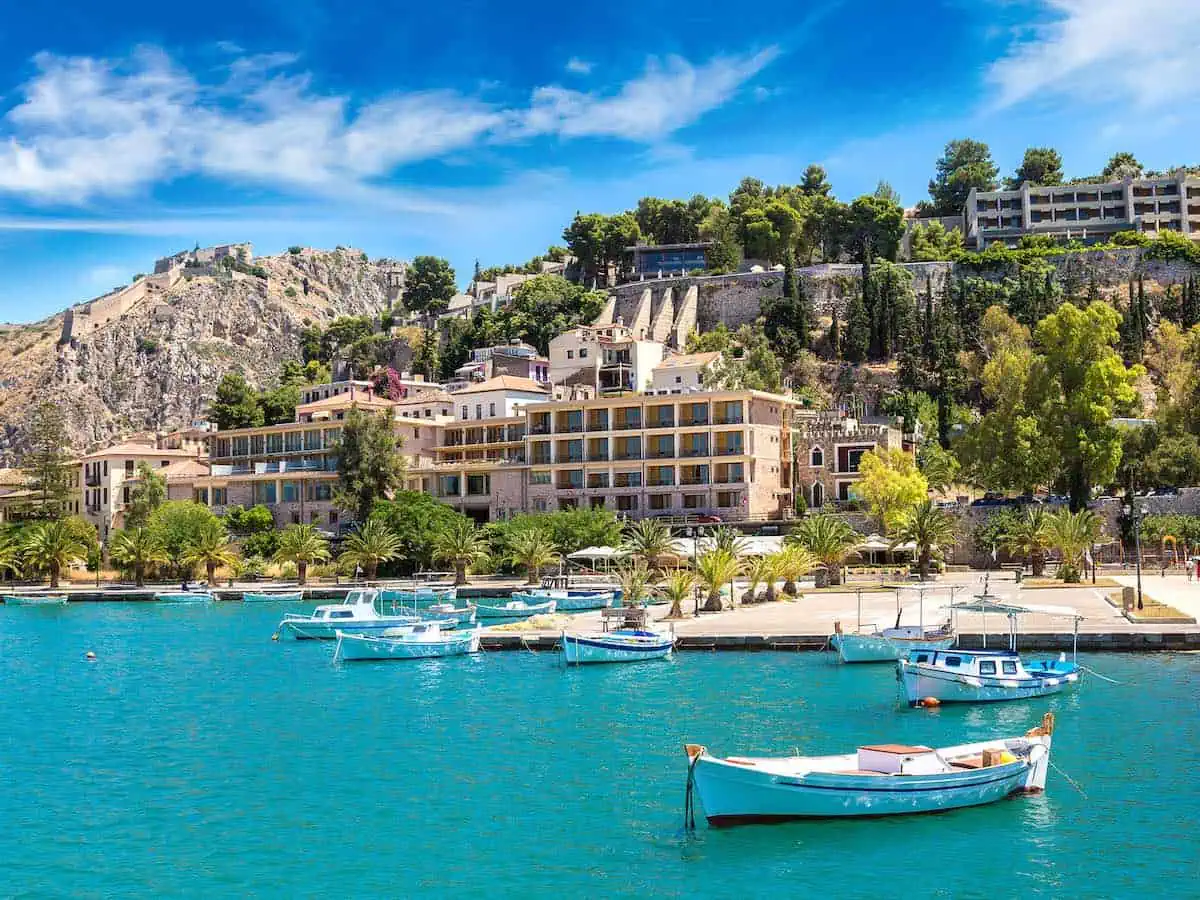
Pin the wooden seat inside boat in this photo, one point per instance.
(896, 748)
(970, 762)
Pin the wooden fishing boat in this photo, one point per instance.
(449, 615)
(419, 595)
(35, 599)
(185, 597)
(621, 645)
(272, 596)
(870, 643)
(514, 609)
(567, 599)
(357, 615)
(876, 780)
(422, 641)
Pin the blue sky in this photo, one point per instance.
(129, 130)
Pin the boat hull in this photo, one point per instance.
(733, 794)
(422, 596)
(369, 648)
(867, 648)
(582, 650)
(185, 597)
(290, 597)
(302, 629)
(449, 618)
(36, 601)
(510, 613)
(920, 682)
(567, 600)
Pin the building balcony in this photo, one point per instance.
(571, 428)
(694, 422)
(539, 429)
(598, 457)
(732, 450)
(628, 455)
(92, 481)
(668, 453)
(692, 452)
(693, 482)
(660, 483)
(571, 458)
(541, 461)
(597, 481)
(627, 426)
(728, 420)
(661, 423)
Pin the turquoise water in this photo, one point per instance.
(196, 757)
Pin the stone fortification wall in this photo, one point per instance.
(80, 321)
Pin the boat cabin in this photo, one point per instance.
(358, 605)
(982, 663)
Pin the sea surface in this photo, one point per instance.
(196, 757)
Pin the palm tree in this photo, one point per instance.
(715, 569)
(10, 555)
(650, 540)
(1072, 533)
(927, 526)
(791, 562)
(677, 588)
(137, 548)
(830, 540)
(52, 547)
(723, 538)
(1029, 538)
(533, 549)
(210, 547)
(370, 545)
(760, 570)
(302, 544)
(635, 578)
(462, 545)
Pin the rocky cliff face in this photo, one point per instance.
(157, 365)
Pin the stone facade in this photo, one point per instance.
(827, 455)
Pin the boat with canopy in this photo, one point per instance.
(983, 675)
(870, 643)
(358, 614)
(421, 641)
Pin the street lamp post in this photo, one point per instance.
(1137, 546)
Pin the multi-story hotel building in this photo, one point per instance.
(109, 474)
(723, 453)
(1090, 213)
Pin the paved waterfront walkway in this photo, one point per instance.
(1174, 590)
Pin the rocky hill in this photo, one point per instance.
(151, 358)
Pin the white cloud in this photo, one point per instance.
(577, 66)
(87, 128)
(1146, 52)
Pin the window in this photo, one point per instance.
(491, 409)
(465, 414)
(817, 457)
(570, 354)
(164, 463)
(679, 379)
(922, 657)
(539, 477)
(128, 468)
(106, 496)
(416, 432)
(106, 468)
(1008, 667)
(953, 661)
(582, 352)
(987, 667)
(478, 410)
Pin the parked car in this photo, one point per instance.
(708, 520)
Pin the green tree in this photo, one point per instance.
(52, 547)
(650, 541)
(236, 404)
(1040, 165)
(416, 519)
(532, 549)
(751, 364)
(10, 554)
(177, 524)
(429, 284)
(256, 519)
(302, 545)
(830, 540)
(1122, 165)
(857, 342)
(1071, 533)
(210, 547)
(147, 495)
(940, 468)
(635, 580)
(372, 544)
(964, 164)
(369, 463)
(1028, 537)
(715, 569)
(47, 466)
(585, 239)
(279, 404)
(929, 528)
(891, 484)
(137, 549)
(1078, 385)
(677, 589)
(875, 227)
(933, 241)
(814, 181)
(461, 546)
(792, 562)
(718, 228)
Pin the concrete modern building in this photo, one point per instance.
(1090, 213)
(497, 398)
(108, 474)
(515, 358)
(724, 453)
(653, 260)
(828, 451)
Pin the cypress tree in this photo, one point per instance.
(789, 275)
(835, 337)
(927, 339)
(803, 316)
(857, 342)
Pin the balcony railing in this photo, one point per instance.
(732, 450)
(661, 423)
(628, 454)
(571, 457)
(570, 485)
(660, 482)
(728, 420)
(600, 481)
(691, 482)
(627, 483)
(666, 453)
(689, 423)
(597, 425)
(627, 425)
(539, 429)
(570, 428)
(694, 451)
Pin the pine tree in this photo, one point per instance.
(789, 275)
(804, 316)
(927, 325)
(835, 337)
(857, 342)
(1191, 303)
(47, 466)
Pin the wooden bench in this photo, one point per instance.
(627, 616)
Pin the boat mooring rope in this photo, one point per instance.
(1069, 779)
(1101, 677)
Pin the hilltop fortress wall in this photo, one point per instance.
(667, 309)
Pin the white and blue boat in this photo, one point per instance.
(185, 597)
(514, 609)
(449, 615)
(620, 645)
(567, 599)
(35, 600)
(870, 643)
(876, 780)
(357, 615)
(422, 641)
(988, 676)
(273, 596)
(420, 595)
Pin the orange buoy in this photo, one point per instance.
(931, 702)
